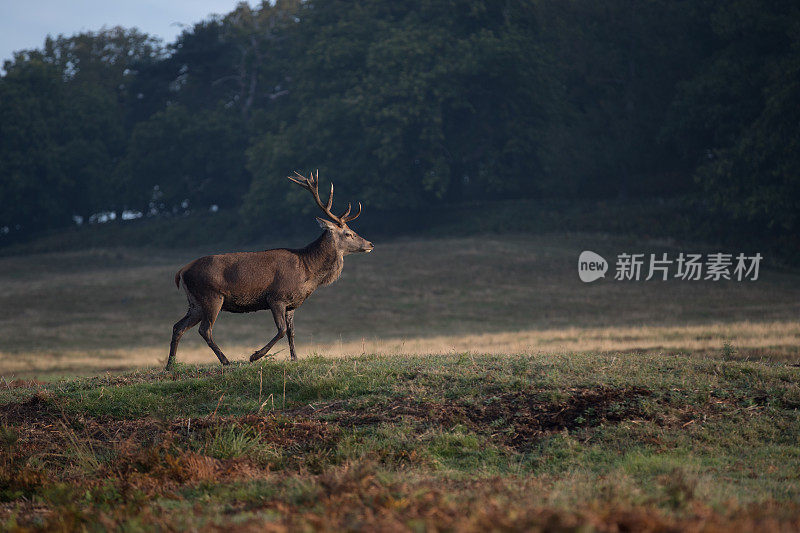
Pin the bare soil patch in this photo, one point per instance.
(517, 418)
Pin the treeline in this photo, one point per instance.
(411, 104)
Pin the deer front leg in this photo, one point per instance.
(290, 332)
(279, 314)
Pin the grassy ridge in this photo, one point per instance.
(450, 441)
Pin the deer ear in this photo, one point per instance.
(325, 224)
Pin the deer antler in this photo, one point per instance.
(345, 218)
(312, 185)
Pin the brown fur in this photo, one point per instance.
(279, 280)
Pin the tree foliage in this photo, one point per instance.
(736, 120)
(411, 104)
(177, 158)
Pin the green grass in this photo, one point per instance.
(193, 390)
(662, 435)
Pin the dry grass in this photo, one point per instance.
(777, 341)
(85, 312)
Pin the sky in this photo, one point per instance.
(24, 24)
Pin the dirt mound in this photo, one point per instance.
(516, 418)
(532, 418)
(39, 408)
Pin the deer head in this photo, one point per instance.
(346, 240)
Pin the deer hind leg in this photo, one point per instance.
(279, 314)
(290, 332)
(192, 317)
(210, 311)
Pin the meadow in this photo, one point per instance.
(467, 383)
(112, 309)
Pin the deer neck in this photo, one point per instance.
(323, 260)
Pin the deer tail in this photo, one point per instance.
(178, 275)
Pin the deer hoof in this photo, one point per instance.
(254, 357)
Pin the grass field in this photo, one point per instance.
(444, 384)
(608, 442)
(87, 312)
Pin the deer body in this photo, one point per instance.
(279, 280)
(248, 281)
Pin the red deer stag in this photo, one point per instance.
(279, 280)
